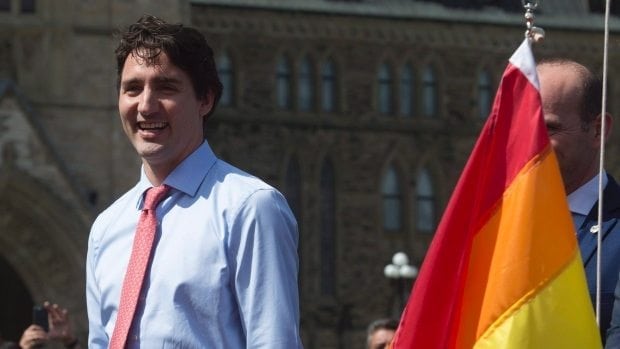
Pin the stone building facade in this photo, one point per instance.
(362, 112)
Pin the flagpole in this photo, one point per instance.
(533, 33)
(602, 165)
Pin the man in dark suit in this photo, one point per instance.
(571, 99)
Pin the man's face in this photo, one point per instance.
(160, 112)
(381, 338)
(576, 149)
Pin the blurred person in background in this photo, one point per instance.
(380, 333)
(60, 331)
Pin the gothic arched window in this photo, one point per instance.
(283, 83)
(392, 200)
(305, 85)
(425, 205)
(328, 86)
(227, 77)
(429, 92)
(485, 94)
(407, 91)
(384, 81)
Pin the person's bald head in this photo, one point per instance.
(571, 101)
(578, 84)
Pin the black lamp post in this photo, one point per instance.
(400, 272)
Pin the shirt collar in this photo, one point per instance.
(583, 199)
(188, 175)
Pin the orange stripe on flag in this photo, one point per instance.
(520, 249)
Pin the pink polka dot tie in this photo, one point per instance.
(138, 263)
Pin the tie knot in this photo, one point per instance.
(154, 196)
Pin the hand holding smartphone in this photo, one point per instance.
(39, 317)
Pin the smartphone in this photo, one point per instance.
(39, 317)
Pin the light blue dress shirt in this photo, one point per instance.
(224, 270)
(582, 200)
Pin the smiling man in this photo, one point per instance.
(198, 254)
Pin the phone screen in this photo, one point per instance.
(39, 317)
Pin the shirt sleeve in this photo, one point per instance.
(97, 338)
(263, 253)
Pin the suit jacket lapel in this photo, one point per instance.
(588, 239)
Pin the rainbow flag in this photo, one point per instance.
(504, 270)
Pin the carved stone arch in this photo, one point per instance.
(408, 59)
(327, 151)
(8, 68)
(328, 224)
(283, 53)
(395, 153)
(44, 241)
(45, 218)
(306, 53)
(330, 55)
(290, 154)
(25, 145)
(391, 162)
(409, 56)
(431, 160)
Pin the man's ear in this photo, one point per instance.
(598, 124)
(207, 104)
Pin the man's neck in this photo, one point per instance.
(156, 174)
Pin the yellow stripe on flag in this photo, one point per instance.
(555, 307)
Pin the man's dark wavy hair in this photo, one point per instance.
(186, 48)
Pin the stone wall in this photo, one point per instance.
(62, 62)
